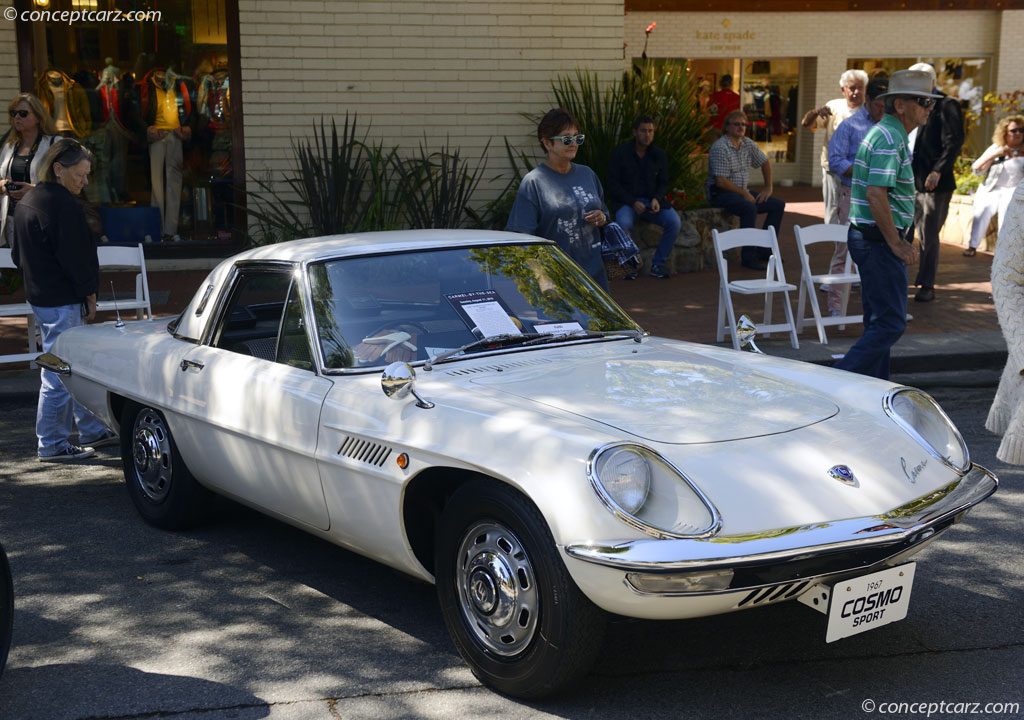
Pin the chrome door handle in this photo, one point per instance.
(186, 364)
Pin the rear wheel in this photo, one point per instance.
(512, 609)
(160, 485)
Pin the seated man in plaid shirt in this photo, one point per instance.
(729, 162)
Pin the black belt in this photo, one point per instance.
(871, 233)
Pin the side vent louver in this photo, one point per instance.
(365, 451)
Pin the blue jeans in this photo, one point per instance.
(667, 217)
(56, 407)
(747, 212)
(883, 292)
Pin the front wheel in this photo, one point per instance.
(160, 485)
(514, 613)
(6, 608)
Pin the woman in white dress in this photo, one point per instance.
(1002, 164)
(1006, 416)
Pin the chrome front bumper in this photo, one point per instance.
(801, 552)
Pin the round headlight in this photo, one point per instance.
(918, 414)
(626, 477)
(646, 491)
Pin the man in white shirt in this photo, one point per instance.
(828, 117)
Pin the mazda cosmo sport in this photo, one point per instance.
(470, 408)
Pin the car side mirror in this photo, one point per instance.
(398, 380)
(745, 332)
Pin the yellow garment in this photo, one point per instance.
(166, 110)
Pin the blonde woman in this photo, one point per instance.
(32, 132)
(1002, 164)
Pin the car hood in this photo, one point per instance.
(676, 394)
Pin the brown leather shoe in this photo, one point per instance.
(970, 252)
(925, 294)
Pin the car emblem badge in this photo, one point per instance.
(913, 472)
(843, 474)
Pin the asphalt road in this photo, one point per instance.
(249, 618)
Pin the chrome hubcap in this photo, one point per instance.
(151, 454)
(497, 593)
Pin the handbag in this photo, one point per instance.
(617, 246)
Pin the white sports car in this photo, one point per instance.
(470, 408)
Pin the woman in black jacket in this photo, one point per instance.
(55, 251)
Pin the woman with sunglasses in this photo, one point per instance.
(561, 200)
(31, 134)
(56, 253)
(1002, 164)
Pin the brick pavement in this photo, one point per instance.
(685, 306)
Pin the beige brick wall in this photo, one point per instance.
(828, 39)
(9, 84)
(461, 69)
(1009, 76)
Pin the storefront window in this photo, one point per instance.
(964, 78)
(152, 100)
(768, 91)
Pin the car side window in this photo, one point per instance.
(263, 318)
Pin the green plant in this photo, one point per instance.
(436, 187)
(333, 179)
(342, 183)
(332, 183)
(967, 181)
(1007, 103)
(385, 211)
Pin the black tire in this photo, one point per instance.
(6, 609)
(160, 485)
(540, 633)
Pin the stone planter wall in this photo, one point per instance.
(693, 250)
(958, 224)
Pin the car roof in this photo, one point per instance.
(193, 320)
(335, 246)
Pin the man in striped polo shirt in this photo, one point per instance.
(881, 214)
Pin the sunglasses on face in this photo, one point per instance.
(1015, 131)
(924, 102)
(20, 113)
(568, 139)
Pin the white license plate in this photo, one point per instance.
(870, 601)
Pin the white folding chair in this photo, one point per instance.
(773, 282)
(115, 256)
(16, 310)
(808, 236)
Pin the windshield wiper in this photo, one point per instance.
(581, 334)
(497, 340)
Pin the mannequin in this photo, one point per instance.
(66, 102)
(110, 143)
(215, 94)
(167, 112)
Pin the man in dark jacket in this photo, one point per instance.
(937, 147)
(637, 183)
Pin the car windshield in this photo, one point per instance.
(416, 306)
